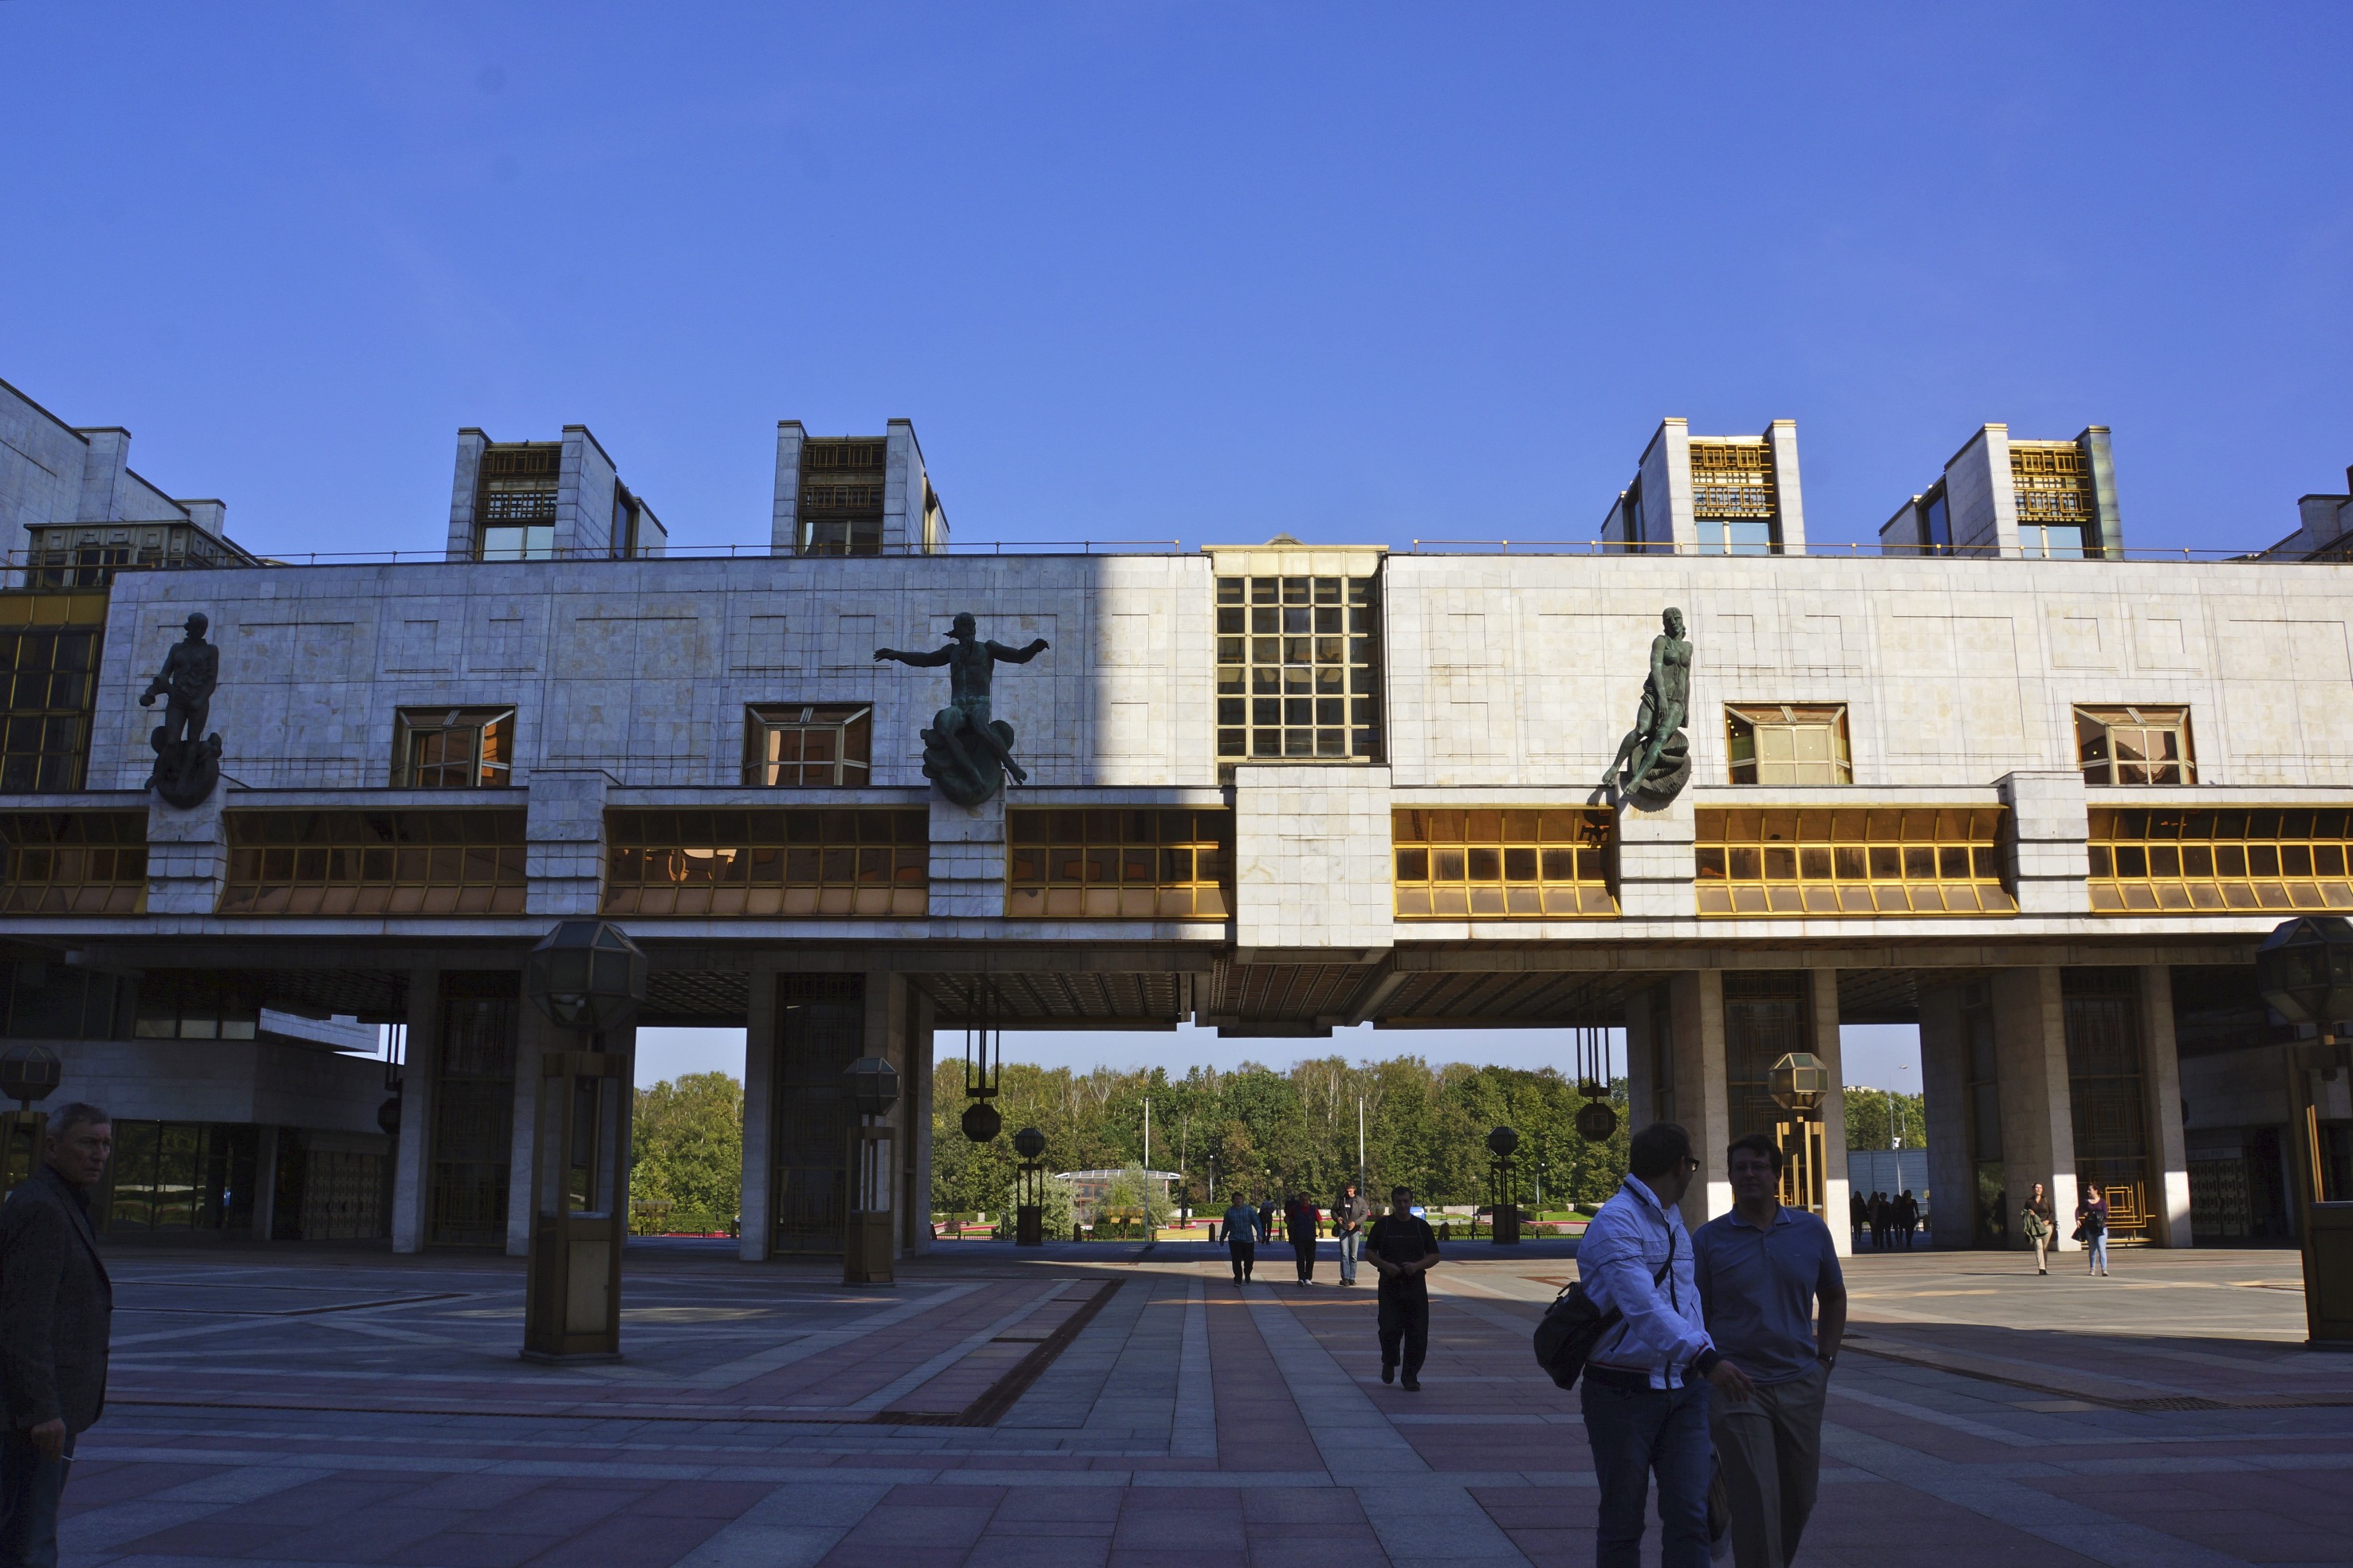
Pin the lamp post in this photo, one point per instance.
(1504, 1200)
(2305, 971)
(870, 1086)
(27, 1072)
(1030, 1189)
(1798, 1083)
(588, 978)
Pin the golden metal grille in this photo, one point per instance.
(2052, 481)
(50, 644)
(1852, 861)
(848, 860)
(73, 862)
(1298, 669)
(1521, 863)
(1120, 865)
(374, 863)
(1732, 478)
(2191, 861)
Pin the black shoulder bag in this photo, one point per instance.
(1573, 1325)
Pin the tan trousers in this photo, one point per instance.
(2041, 1252)
(1771, 1451)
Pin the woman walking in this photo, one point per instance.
(2035, 1219)
(2092, 1230)
(1305, 1221)
(1242, 1237)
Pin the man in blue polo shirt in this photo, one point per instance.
(1760, 1270)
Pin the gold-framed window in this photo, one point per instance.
(50, 644)
(1502, 863)
(2191, 862)
(841, 495)
(2135, 745)
(789, 745)
(1858, 860)
(2058, 512)
(73, 862)
(827, 860)
(1155, 863)
(453, 748)
(1733, 507)
(374, 863)
(1788, 743)
(1298, 669)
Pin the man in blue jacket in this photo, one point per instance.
(1645, 1386)
(1242, 1237)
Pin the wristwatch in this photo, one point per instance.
(1829, 1361)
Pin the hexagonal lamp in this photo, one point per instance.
(2304, 971)
(1029, 1143)
(982, 1122)
(1596, 1121)
(586, 975)
(29, 1072)
(1502, 1142)
(1799, 1081)
(871, 1085)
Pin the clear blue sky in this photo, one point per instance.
(1200, 272)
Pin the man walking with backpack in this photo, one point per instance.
(1645, 1392)
(1760, 1270)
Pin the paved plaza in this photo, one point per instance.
(1131, 1406)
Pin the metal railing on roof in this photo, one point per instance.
(1824, 549)
(67, 573)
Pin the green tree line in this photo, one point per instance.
(1867, 1118)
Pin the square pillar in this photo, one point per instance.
(1824, 1010)
(265, 1182)
(535, 1037)
(1945, 1083)
(920, 1012)
(412, 1176)
(755, 1224)
(2168, 1161)
(1703, 1102)
(887, 1036)
(1646, 1089)
(2038, 1130)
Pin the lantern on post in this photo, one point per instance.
(870, 1086)
(1800, 1083)
(589, 979)
(2305, 971)
(1030, 1189)
(27, 1072)
(1502, 1194)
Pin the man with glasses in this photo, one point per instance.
(1644, 1392)
(1760, 1271)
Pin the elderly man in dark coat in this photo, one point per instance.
(55, 1311)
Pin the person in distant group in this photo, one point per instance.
(1304, 1222)
(1242, 1237)
(1349, 1230)
(57, 1311)
(1908, 1218)
(1858, 1213)
(2092, 1222)
(1760, 1270)
(1879, 1222)
(1266, 1219)
(1403, 1251)
(2035, 1219)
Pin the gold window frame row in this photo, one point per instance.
(2200, 861)
(73, 862)
(788, 862)
(1503, 862)
(1139, 863)
(424, 862)
(1850, 861)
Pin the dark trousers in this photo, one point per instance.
(30, 1489)
(1404, 1319)
(1633, 1432)
(1304, 1252)
(1244, 1254)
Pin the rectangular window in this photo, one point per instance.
(2189, 862)
(804, 746)
(2106, 1096)
(514, 502)
(842, 497)
(2135, 746)
(1852, 861)
(1939, 520)
(453, 748)
(375, 862)
(2056, 510)
(182, 1175)
(1147, 864)
(50, 644)
(1789, 744)
(1298, 670)
(849, 861)
(1526, 863)
(1733, 504)
(184, 1006)
(73, 862)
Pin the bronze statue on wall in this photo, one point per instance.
(966, 751)
(1659, 750)
(187, 759)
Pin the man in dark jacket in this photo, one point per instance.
(55, 1311)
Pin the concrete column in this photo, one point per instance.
(1944, 1082)
(783, 527)
(1654, 860)
(412, 1181)
(1781, 436)
(535, 1037)
(1703, 1102)
(2168, 1161)
(265, 1182)
(759, 1117)
(920, 1012)
(1823, 983)
(886, 1037)
(2038, 1130)
(1641, 1089)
